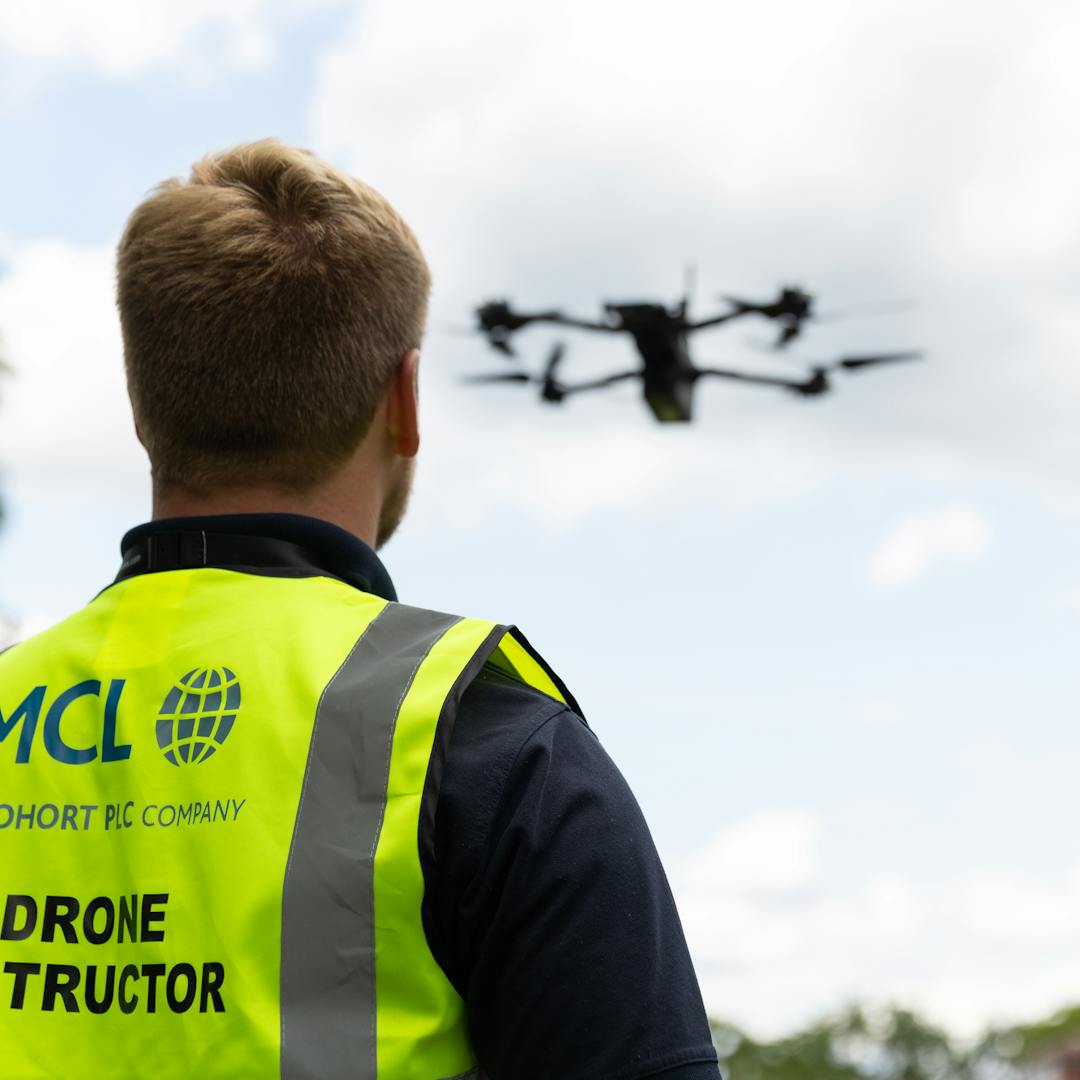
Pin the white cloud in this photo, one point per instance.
(762, 919)
(921, 542)
(121, 38)
(569, 167)
(1006, 907)
(771, 854)
(779, 937)
(969, 997)
(754, 895)
(577, 152)
(65, 416)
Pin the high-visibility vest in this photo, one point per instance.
(217, 794)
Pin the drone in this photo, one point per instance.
(661, 337)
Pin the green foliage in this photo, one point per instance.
(1030, 1042)
(884, 1044)
(806, 1055)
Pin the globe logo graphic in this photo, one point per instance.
(197, 715)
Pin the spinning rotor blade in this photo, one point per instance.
(498, 337)
(852, 363)
(499, 376)
(744, 307)
(554, 359)
(886, 308)
(789, 333)
(763, 346)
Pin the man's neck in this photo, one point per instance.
(357, 516)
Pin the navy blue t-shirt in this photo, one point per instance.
(545, 901)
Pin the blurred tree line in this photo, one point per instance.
(895, 1044)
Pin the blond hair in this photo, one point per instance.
(265, 304)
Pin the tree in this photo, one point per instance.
(870, 1044)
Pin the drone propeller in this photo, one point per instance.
(792, 325)
(738, 305)
(499, 376)
(497, 321)
(551, 390)
(498, 337)
(817, 382)
(457, 330)
(554, 359)
(885, 308)
(853, 363)
(790, 331)
(763, 346)
(494, 315)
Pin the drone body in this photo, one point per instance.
(661, 338)
(668, 374)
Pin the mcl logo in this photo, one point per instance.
(29, 712)
(195, 719)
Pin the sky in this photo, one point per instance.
(829, 642)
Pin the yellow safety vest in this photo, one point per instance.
(217, 793)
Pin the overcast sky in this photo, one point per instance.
(831, 643)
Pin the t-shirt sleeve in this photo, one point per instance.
(548, 907)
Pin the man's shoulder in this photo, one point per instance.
(497, 707)
(498, 718)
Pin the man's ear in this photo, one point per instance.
(403, 408)
(138, 435)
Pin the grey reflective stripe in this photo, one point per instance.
(328, 912)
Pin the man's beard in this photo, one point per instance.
(396, 501)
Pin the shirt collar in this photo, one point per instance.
(291, 544)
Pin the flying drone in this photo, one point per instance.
(661, 337)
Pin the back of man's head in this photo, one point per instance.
(265, 305)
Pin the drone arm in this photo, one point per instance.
(742, 376)
(504, 321)
(559, 319)
(716, 320)
(599, 384)
(518, 320)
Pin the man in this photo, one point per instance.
(256, 817)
